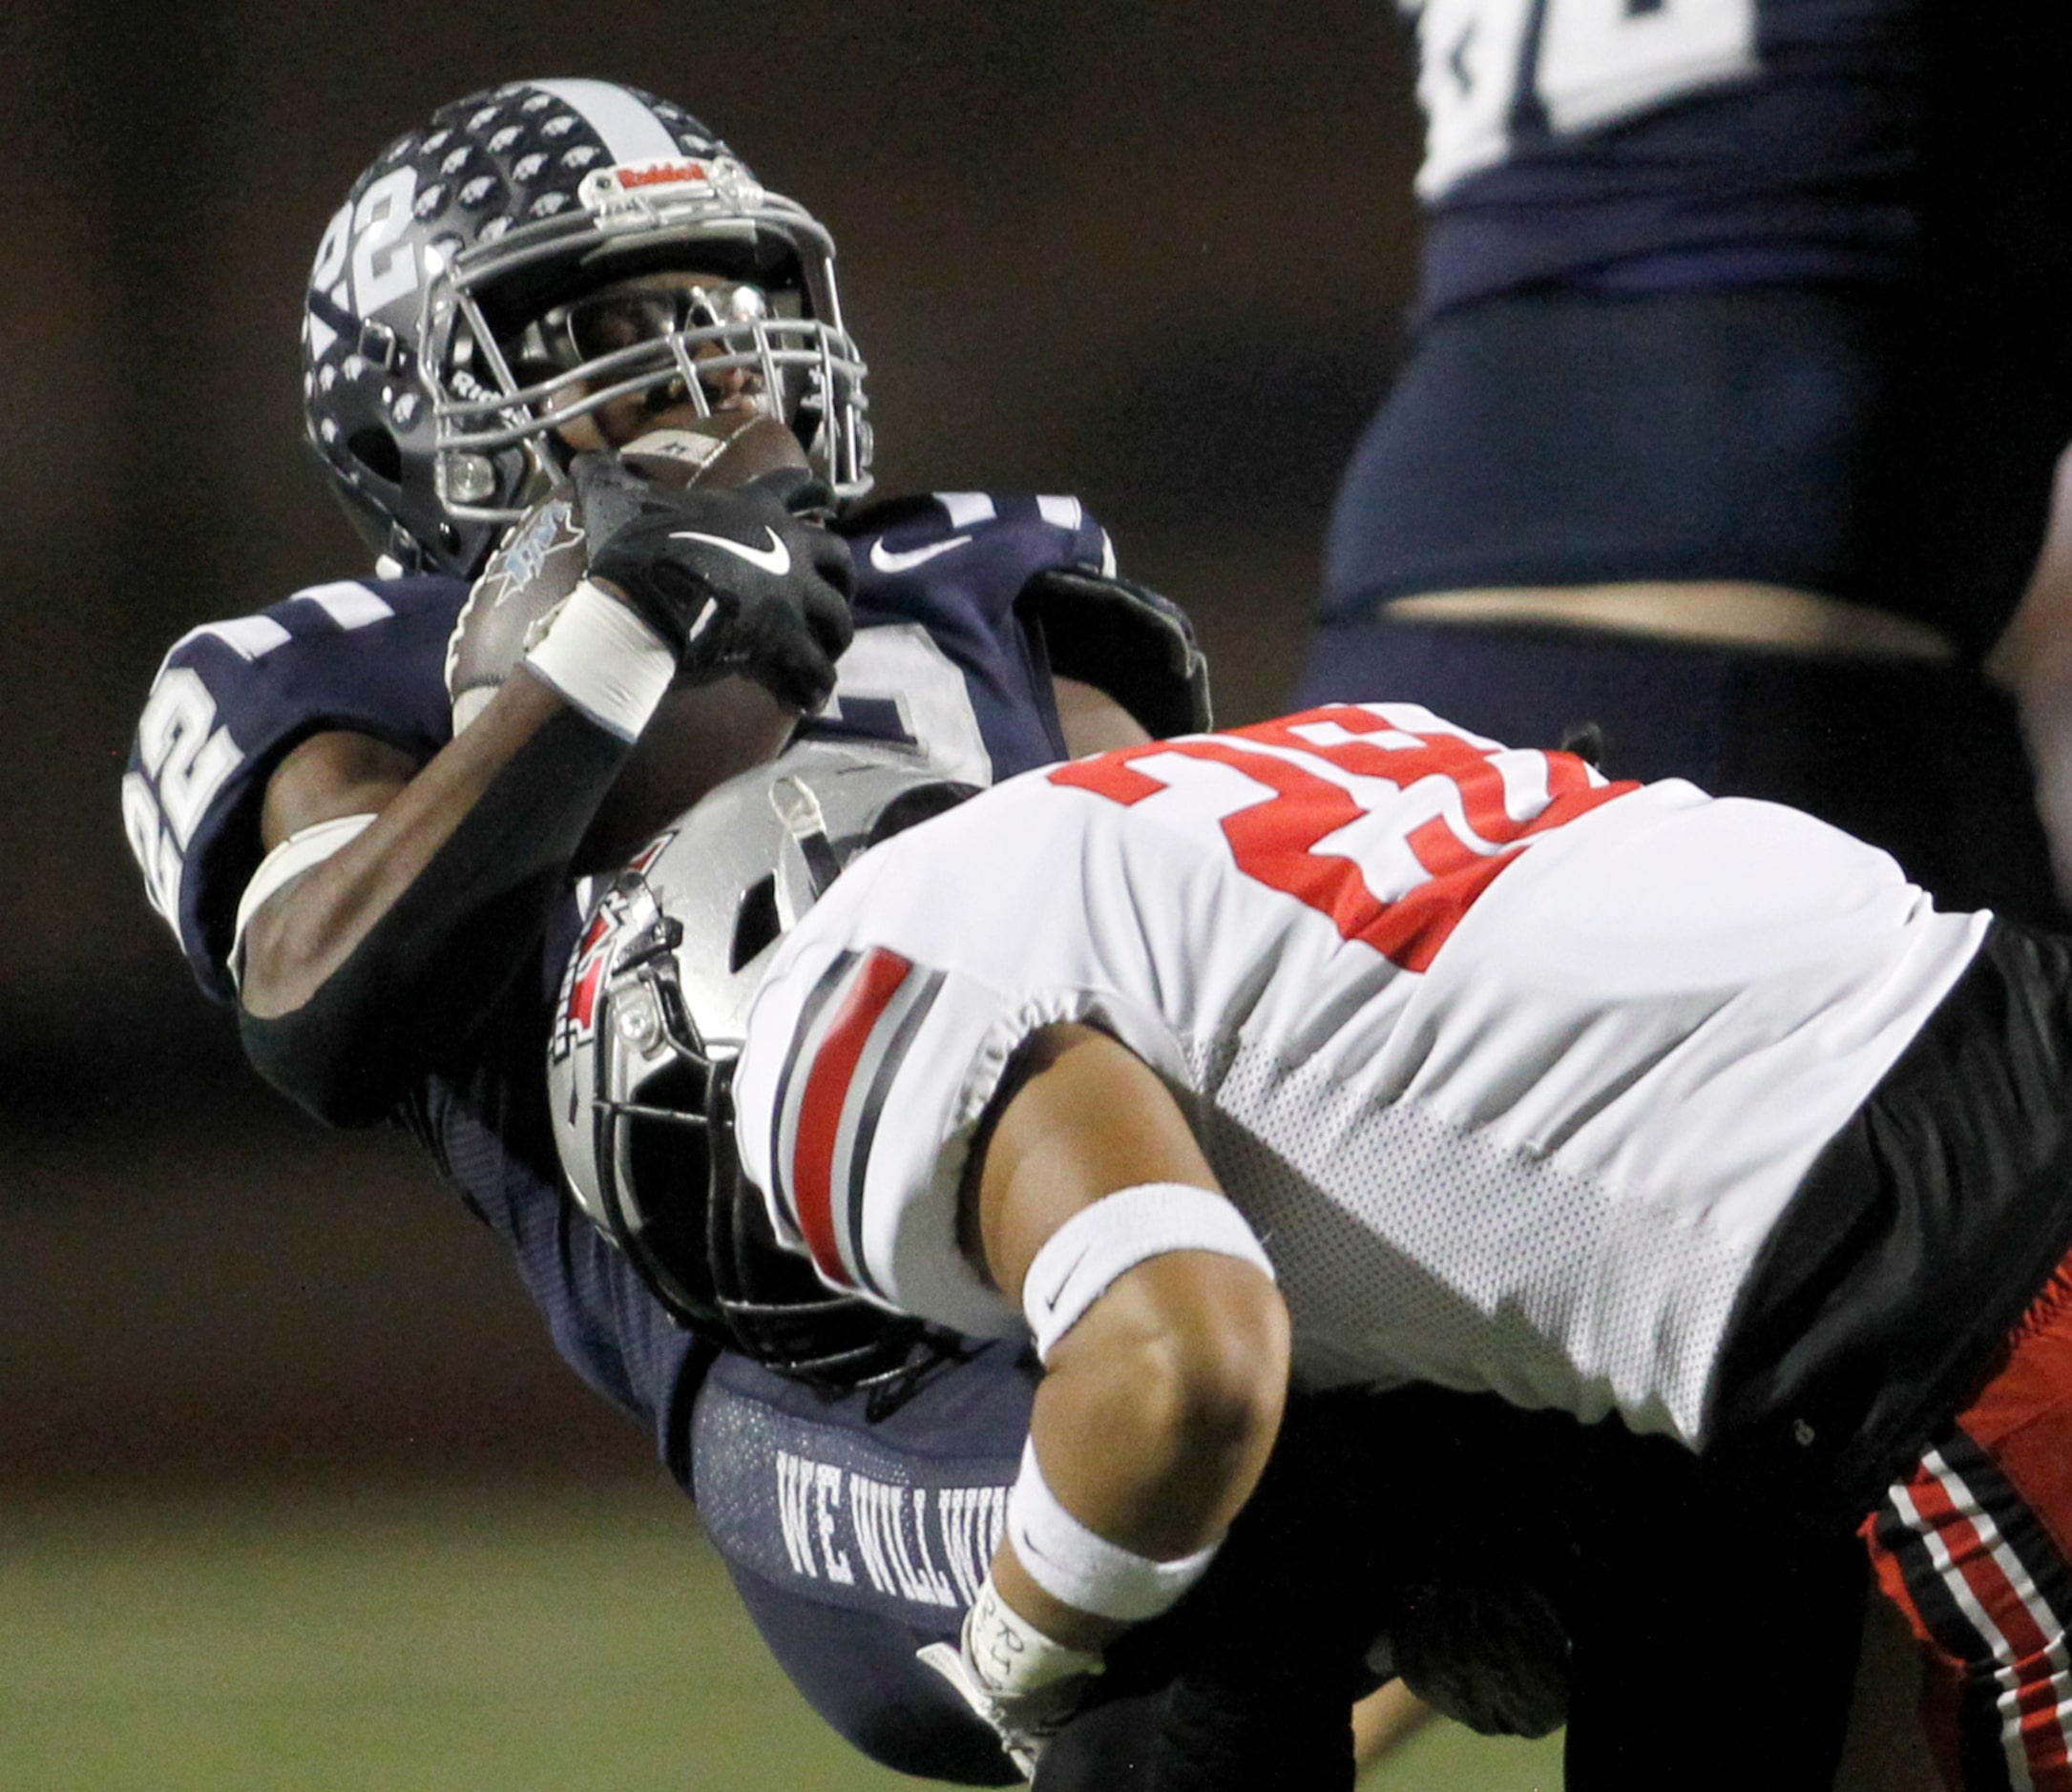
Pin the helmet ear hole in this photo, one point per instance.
(376, 451)
(756, 922)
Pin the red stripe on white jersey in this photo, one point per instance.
(872, 987)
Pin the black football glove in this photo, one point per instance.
(729, 578)
(1493, 1658)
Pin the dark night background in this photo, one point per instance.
(1151, 254)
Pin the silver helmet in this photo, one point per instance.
(652, 1012)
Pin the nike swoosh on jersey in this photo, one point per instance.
(904, 560)
(775, 559)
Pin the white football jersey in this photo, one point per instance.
(1513, 1070)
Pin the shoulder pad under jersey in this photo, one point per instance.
(877, 1217)
(1126, 640)
(229, 702)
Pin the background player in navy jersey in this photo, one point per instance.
(1732, 396)
(1726, 424)
(388, 904)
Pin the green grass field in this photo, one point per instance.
(536, 1640)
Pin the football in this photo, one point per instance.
(542, 558)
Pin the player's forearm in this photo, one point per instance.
(300, 936)
(1167, 1368)
(1154, 1423)
(383, 954)
(1150, 1432)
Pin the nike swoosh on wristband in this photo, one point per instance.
(1057, 1293)
(775, 559)
(1027, 1546)
(895, 560)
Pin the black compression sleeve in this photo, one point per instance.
(411, 991)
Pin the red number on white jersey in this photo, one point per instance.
(1380, 817)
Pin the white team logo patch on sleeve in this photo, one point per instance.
(852, 1036)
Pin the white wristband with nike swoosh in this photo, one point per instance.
(1084, 1256)
(1082, 1567)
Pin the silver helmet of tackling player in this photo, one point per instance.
(653, 1008)
(454, 317)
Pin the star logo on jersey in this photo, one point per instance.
(886, 559)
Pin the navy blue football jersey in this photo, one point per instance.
(941, 661)
(1677, 143)
(232, 699)
(942, 574)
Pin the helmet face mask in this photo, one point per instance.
(651, 1113)
(611, 333)
(653, 1008)
(454, 252)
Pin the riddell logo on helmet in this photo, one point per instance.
(659, 174)
(640, 186)
(636, 190)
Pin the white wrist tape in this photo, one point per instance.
(305, 847)
(1011, 1657)
(1086, 1253)
(603, 660)
(1082, 1568)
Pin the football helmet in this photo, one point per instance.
(652, 1012)
(455, 315)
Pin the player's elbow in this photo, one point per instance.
(309, 1059)
(1193, 1355)
(1221, 1367)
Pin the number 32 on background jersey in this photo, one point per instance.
(1494, 72)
